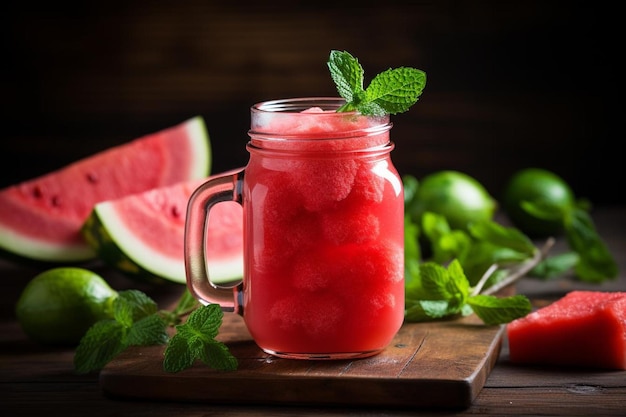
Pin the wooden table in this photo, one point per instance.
(36, 380)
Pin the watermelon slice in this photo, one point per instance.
(584, 328)
(142, 235)
(40, 219)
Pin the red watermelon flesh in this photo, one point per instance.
(41, 218)
(584, 328)
(143, 235)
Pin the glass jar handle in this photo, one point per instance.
(218, 189)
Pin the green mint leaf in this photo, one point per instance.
(425, 310)
(347, 74)
(556, 265)
(178, 356)
(103, 341)
(457, 285)
(186, 303)
(396, 90)
(494, 310)
(411, 239)
(135, 322)
(446, 244)
(147, 331)
(596, 263)
(140, 304)
(205, 320)
(217, 356)
(442, 292)
(390, 92)
(195, 340)
(498, 235)
(434, 281)
(544, 209)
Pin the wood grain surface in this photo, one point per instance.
(443, 364)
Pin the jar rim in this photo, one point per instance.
(298, 104)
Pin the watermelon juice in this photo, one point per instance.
(323, 232)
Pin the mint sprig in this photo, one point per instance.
(195, 339)
(481, 261)
(390, 92)
(439, 292)
(589, 256)
(137, 321)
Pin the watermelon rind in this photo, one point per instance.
(21, 249)
(202, 148)
(26, 249)
(117, 245)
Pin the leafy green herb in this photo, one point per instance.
(481, 261)
(137, 322)
(441, 292)
(196, 340)
(554, 266)
(390, 92)
(593, 262)
(596, 263)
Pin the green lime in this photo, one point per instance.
(536, 185)
(59, 305)
(458, 197)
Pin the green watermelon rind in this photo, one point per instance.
(26, 250)
(117, 246)
(202, 147)
(32, 251)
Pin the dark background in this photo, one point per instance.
(511, 84)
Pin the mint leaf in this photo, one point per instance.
(499, 235)
(596, 263)
(195, 340)
(147, 331)
(102, 342)
(544, 209)
(390, 92)
(347, 74)
(178, 355)
(216, 355)
(494, 310)
(135, 322)
(556, 265)
(396, 90)
(138, 303)
(441, 292)
(425, 310)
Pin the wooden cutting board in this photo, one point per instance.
(443, 364)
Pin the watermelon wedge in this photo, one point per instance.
(40, 219)
(142, 235)
(583, 329)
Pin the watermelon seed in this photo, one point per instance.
(92, 177)
(56, 201)
(175, 212)
(37, 192)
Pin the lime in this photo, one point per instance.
(536, 185)
(458, 197)
(59, 305)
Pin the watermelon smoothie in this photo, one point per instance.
(323, 232)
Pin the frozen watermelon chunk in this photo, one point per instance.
(584, 328)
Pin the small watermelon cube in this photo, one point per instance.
(582, 329)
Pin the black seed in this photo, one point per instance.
(92, 177)
(37, 192)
